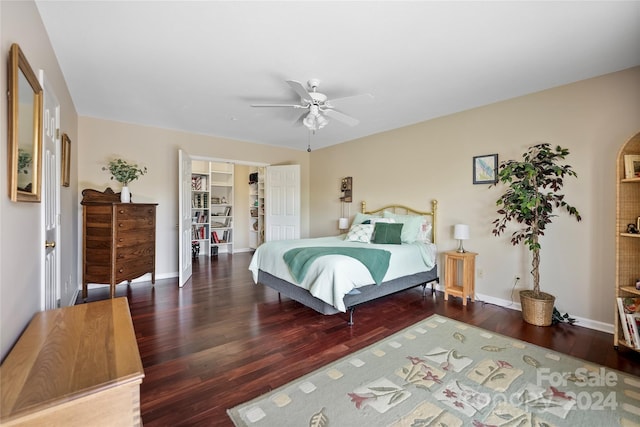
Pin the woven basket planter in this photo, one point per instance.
(537, 309)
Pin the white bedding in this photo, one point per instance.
(331, 277)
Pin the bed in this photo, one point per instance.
(337, 273)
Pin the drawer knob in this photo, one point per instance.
(121, 211)
(121, 240)
(120, 225)
(121, 270)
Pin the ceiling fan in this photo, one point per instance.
(317, 106)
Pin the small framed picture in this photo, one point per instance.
(485, 169)
(65, 170)
(632, 166)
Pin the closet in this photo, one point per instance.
(237, 206)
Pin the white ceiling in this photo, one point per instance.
(197, 66)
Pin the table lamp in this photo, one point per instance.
(461, 233)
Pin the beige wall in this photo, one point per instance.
(157, 149)
(21, 241)
(433, 160)
(412, 165)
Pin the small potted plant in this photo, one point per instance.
(24, 168)
(124, 173)
(532, 195)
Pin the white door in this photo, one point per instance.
(282, 200)
(184, 216)
(50, 197)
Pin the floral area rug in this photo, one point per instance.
(441, 372)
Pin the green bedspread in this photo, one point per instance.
(300, 259)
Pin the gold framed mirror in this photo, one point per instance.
(25, 129)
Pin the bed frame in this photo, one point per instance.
(366, 293)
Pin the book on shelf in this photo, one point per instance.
(198, 232)
(629, 306)
(214, 237)
(633, 319)
(196, 182)
(623, 322)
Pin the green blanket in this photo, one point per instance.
(300, 259)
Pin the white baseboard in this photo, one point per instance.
(580, 321)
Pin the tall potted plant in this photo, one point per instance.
(532, 195)
(124, 173)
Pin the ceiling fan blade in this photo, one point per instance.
(278, 105)
(300, 90)
(341, 117)
(340, 102)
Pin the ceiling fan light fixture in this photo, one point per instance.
(310, 122)
(321, 121)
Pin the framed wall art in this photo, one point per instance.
(631, 166)
(66, 161)
(485, 169)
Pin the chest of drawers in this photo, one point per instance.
(119, 240)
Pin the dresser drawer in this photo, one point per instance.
(134, 252)
(128, 270)
(126, 238)
(135, 223)
(134, 211)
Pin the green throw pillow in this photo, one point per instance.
(387, 233)
(412, 224)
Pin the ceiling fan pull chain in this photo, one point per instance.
(309, 140)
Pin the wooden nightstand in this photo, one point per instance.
(459, 285)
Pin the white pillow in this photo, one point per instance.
(425, 235)
(360, 233)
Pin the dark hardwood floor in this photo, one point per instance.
(221, 340)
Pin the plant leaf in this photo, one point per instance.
(493, 348)
(459, 337)
(319, 419)
(531, 361)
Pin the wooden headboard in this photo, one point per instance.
(404, 210)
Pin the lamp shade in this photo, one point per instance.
(343, 223)
(461, 232)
